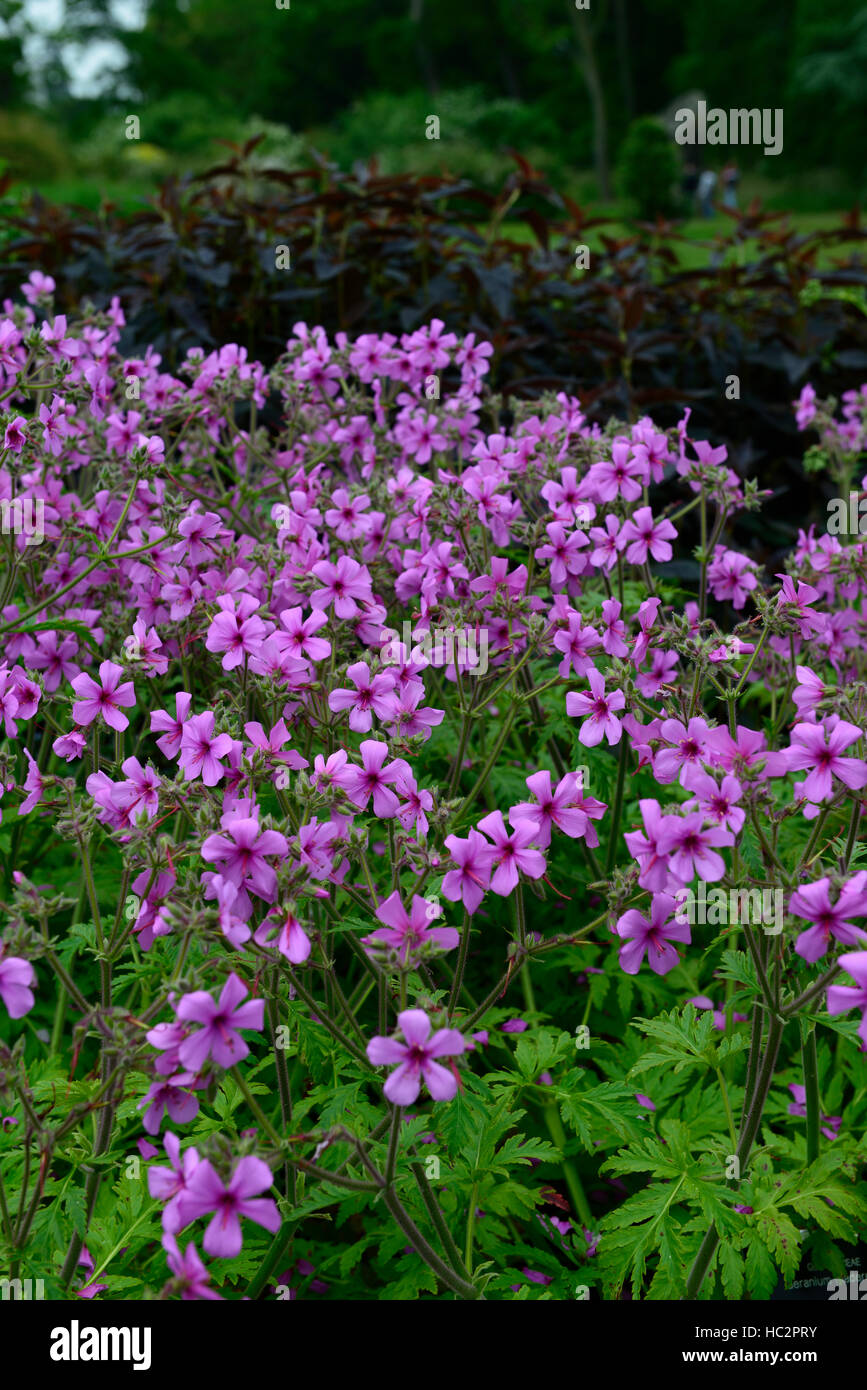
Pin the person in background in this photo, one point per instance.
(730, 177)
(706, 186)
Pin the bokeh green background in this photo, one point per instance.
(357, 79)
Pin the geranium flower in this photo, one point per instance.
(104, 698)
(651, 936)
(842, 998)
(599, 708)
(415, 1059)
(813, 901)
(239, 1197)
(219, 1037)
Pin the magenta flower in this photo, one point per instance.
(799, 601)
(813, 901)
(241, 854)
(564, 807)
(511, 854)
(374, 779)
(717, 803)
(300, 638)
(624, 474)
(564, 552)
(170, 1184)
(576, 642)
(693, 849)
(191, 1275)
(17, 979)
(645, 536)
(408, 932)
(236, 632)
(201, 749)
(842, 998)
(172, 728)
(817, 749)
(372, 695)
(599, 710)
(608, 542)
(218, 1037)
(652, 846)
(471, 879)
(343, 584)
(292, 940)
(731, 576)
(653, 936)
(689, 747)
(104, 698)
(414, 1059)
(206, 1193)
(172, 1095)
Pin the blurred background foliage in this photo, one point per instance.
(357, 81)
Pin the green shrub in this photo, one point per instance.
(649, 168)
(30, 146)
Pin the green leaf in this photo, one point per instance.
(761, 1273)
(731, 1270)
(607, 1112)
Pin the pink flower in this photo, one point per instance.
(653, 937)
(191, 1275)
(599, 709)
(576, 642)
(652, 847)
(241, 854)
(564, 552)
(206, 1193)
(647, 537)
(409, 932)
(292, 940)
(717, 803)
(17, 979)
(817, 748)
(799, 601)
(414, 1059)
(623, 475)
(16, 434)
(201, 750)
(172, 728)
(236, 631)
(374, 779)
(170, 1184)
(511, 854)
(813, 901)
(219, 1037)
(731, 576)
(299, 634)
(104, 698)
(563, 807)
(689, 748)
(343, 584)
(471, 879)
(171, 1094)
(692, 849)
(372, 695)
(841, 998)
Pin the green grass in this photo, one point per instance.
(697, 249)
